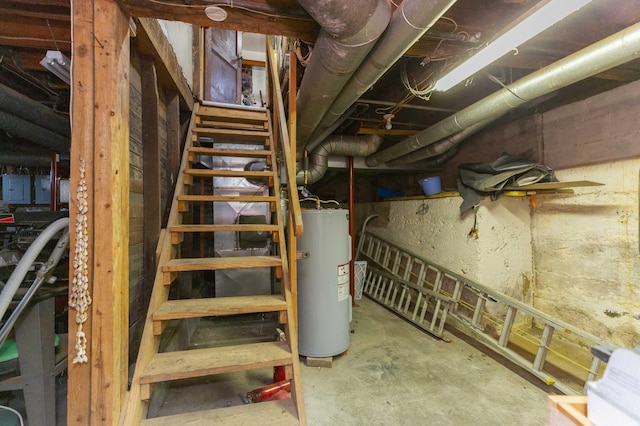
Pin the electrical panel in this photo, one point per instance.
(16, 189)
(43, 189)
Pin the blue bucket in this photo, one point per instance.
(431, 186)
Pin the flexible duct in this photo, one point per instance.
(349, 31)
(43, 275)
(408, 23)
(17, 127)
(354, 146)
(27, 260)
(17, 104)
(612, 51)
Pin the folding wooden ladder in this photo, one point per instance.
(238, 126)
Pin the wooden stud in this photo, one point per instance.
(82, 131)
(151, 168)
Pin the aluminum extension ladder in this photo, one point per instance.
(430, 295)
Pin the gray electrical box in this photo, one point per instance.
(43, 189)
(16, 189)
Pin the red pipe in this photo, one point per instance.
(351, 230)
(53, 177)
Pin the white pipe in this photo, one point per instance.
(27, 260)
(43, 275)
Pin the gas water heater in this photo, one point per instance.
(324, 303)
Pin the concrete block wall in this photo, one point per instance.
(586, 252)
(501, 256)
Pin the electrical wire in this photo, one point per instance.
(318, 200)
(4, 407)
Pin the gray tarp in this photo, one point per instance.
(478, 180)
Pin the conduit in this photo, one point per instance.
(610, 52)
(409, 22)
(355, 146)
(349, 31)
(27, 260)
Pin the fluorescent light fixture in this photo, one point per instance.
(536, 22)
(58, 64)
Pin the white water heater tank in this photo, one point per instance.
(324, 304)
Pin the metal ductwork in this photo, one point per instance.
(354, 146)
(610, 52)
(441, 147)
(349, 31)
(22, 117)
(409, 22)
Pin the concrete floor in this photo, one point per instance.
(392, 374)
(395, 374)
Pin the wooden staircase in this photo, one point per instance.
(210, 126)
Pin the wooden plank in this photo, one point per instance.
(235, 227)
(268, 413)
(216, 152)
(553, 185)
(326, 362)
(231, 125)
(289, 161)
(196, 308)
(82, 131)
(291, 231)
(178, 365)
(251, 135)
(228, 198)
(228, 173)
(110, 307)
(151, 168)
(152, 41)
(234, 115)
(214, 263)
(173, 137)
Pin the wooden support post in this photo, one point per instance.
(100, 135)
(173, 139)
(150, 170)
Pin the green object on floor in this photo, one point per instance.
(9, 349)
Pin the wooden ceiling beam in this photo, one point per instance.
(238, 19)
(53, 13)
(32, 35)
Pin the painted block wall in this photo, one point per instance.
(180, 36)
(587, 255)
(501, 256)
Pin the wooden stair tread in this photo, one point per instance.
(178, 365)
(269, 413)
(227, 173)
(220, 152)
(196, 308)
(248, 198)
(214, 263)
(232, 133)
(231, 227)
(233, 114)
